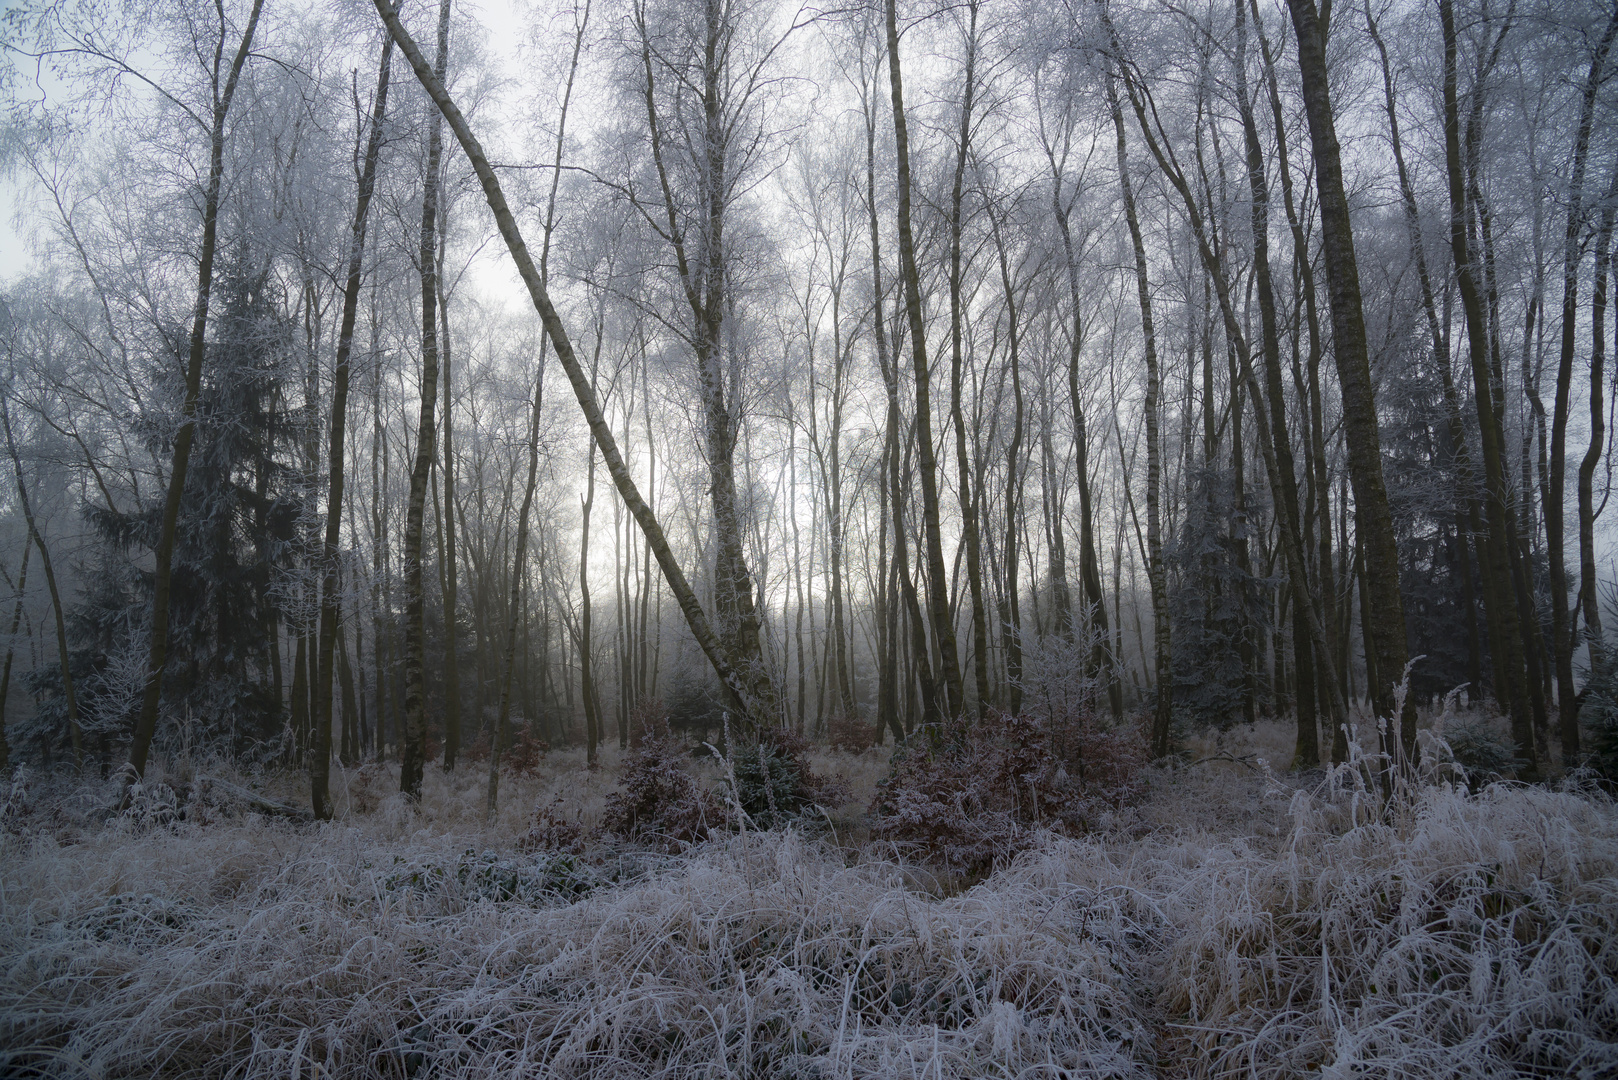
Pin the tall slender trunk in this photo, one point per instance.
(1373, 516)
(1157, 575)
(969, 521)
(163, 554)
(797, 565)
(1506, 638)
(62, 655)
(1010, 612)
(1102, 663)
(11, 638)
(1307, 751)
(413, 758)
(592, 707)
(452, 659)
(1562, 633)
(888, 689)
(1588, 598)
(330, 593)
(937, 583)
(509, 660)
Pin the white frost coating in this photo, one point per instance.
(1476, 940)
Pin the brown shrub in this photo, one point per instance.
(971, 795)
(659, 802)
(851, 734)
(525, 752)
(552, 830)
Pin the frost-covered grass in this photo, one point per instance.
(1234, 924)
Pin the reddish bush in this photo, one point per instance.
(977, 794)
(525, 752)
(659, 801)
(552, 830)
(851, 734)
(476, 748)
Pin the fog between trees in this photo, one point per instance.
(1254, 350)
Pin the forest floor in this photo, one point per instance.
(1236, 921)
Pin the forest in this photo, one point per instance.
(751, 538)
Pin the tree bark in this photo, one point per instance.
(1589, 600)
(1157, 575)
(938, 605)
(412, 759)
(1562, 633)
(969, 521)
(330, 593)
(1373, 516)
(452, 658)
(1307, 748)
(1505, 637)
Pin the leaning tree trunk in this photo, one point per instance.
(696, 619)
(1373, 516)
(413, 757)
(163, 555)
(330, 594)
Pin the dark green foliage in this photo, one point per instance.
(239, 523)
(774, 782)
(1214, 603)
(1478, 746)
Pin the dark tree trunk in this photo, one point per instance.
(1307, 752)
(1373, 517)
(330, 593)
(1505, 631)
(412, 759)
(1562, 633)
(1163, 705)
(938, 605)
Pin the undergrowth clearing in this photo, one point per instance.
(1235, 923)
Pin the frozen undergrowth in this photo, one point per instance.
(1478, 936)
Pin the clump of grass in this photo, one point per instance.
(1482, 942)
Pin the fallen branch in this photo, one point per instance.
(263, 804)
